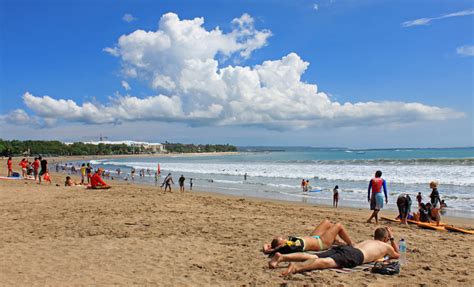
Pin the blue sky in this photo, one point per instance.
(408, 83)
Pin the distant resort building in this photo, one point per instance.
(144, 147)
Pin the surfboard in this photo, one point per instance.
(457, 229)
(431, 223)
(315, 190)
(390, 219)
(430, 226)
(10, 178)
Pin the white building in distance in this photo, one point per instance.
(141, 146)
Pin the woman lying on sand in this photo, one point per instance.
(321, 238)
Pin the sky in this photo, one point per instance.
(345, 73)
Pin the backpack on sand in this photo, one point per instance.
(386, 269)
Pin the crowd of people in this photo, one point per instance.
(89, 177)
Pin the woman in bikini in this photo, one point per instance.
(322, 237)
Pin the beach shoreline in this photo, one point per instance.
(455, 214)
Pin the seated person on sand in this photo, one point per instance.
(321, 238)
(70, 182)
(97, 182)
(423, 214)
(344, 256)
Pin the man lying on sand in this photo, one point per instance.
(321, 238)
(342, 256)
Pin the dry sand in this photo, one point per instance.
(132, 234)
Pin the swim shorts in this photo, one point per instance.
(376, 201)
(345, 256)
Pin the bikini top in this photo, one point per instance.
(292, 245)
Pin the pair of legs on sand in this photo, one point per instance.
(375, 214)
(328, 232)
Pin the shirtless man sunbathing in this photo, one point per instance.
(321, 238)
(342, 256)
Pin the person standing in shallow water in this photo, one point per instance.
(181, 183)
(376, 198)
(335, 196)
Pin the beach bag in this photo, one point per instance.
(15, 174)
(386, 268)
(46, 177)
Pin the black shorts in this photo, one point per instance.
(43, 171)
(345, 256)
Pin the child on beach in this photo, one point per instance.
(83, 173)
(419, 199)
(335, 196)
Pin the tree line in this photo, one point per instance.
(57, 148)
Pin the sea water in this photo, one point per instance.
(278, 174)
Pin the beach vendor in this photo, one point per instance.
(97, 182)
(344, 256)
(376, 198)
(322, 237)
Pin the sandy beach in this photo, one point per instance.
(134, 234)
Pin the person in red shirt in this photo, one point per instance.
(24, 166)
(36, 165)
(97, 182)
(9, 165)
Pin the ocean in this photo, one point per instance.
(276, 173)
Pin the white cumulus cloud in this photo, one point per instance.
(426, 21)
(467, 50)
(180, 60)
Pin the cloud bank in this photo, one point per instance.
(183, 63)
(427, 21)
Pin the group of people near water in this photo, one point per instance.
(168, 181)
(427, 212)
(36, 169)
